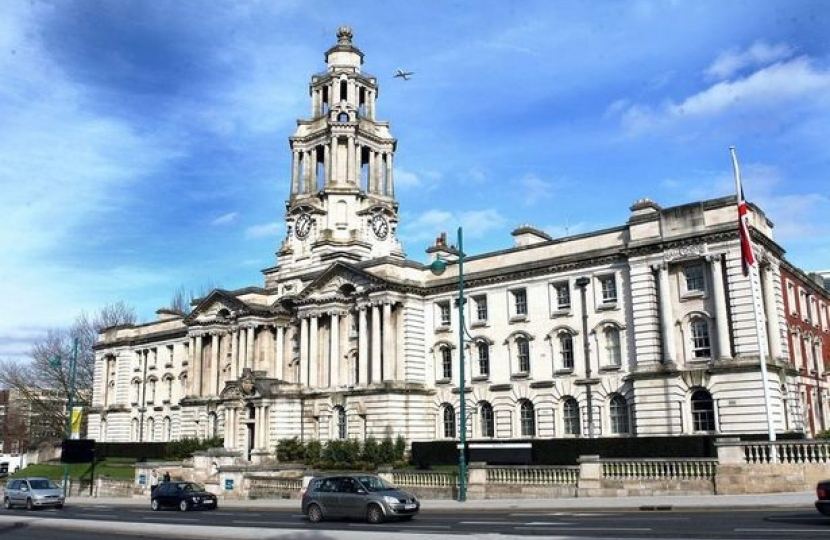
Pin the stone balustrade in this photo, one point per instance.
(787, 452)
(424, 479)
(523, 475)
(654, 469)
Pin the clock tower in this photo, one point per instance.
(342, 204)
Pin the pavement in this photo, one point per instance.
(661, 502)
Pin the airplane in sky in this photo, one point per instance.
(405, 75)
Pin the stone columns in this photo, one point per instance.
(249, 349)
(312, 162)
(666, 322)
(191, 368)
(334, 351)
(771, 311)
(279, 353)
(243, 339)
(227, 435)
(306, 171)
(213, 384)
(362, 347)
(376, 372)
(199, 366)
(390, 184)
(388, 344)
(295, 171)
(351, 178)
(313, 353)
(327, 164)
(721, 315)
(235, 354)
(304, 351)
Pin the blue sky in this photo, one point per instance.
(143, 145)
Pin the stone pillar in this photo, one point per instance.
(362, 347)
(388, 344)
(279, 369)
(243, 352)
(334, 351)
(304, 351)
(313, 353)
(350, 168)
(312, 162)
(191, 368)
(306, 171)
(390, 183)
(327, 164)
(214, 363)
(771, 311)
(249, 349)
(235, 354)
(197, 383)
(721, 315)
(376, 374)
(370, 104)
(666, 322)
(295, 171)
(590, 476)
(227, 434)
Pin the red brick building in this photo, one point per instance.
(807, 313)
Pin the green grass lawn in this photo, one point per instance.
(118, 469)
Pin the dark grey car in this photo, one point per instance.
(32, 493)
(361, 496)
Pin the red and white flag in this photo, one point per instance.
(747, 257)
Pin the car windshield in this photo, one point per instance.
(43, 484)
(190, 486)
(375, 483)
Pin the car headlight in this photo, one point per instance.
(195, 499)
(390, 500)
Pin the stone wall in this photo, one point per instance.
(769, 477)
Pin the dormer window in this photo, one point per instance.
(343, 117)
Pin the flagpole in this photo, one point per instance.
(759, 316)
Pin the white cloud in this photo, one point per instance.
(225, 219)
(429, 224)
(535, 190)
(265, 230)
(796, 81)
(406, 179)
(758, 54)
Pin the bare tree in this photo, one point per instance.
(182, 301)
(43, 383)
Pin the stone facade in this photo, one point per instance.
(649, 322)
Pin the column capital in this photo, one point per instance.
(657, 267)
(714, 257)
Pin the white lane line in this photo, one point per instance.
(560, 514)
(154, 518)
(490, 523)
(782, 531)
(95, 515)
(521, 528)
(254, 522)
(408, 526)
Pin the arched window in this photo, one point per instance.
(102, 431)
(446, 362)
(701, 345)
(151, 430)
(619, 415)
(167, 429)
(703, 411)
(449, 422)
(340, 418)
(488, 428)
(613, 353)
(151, 391)
(183, 385)
(483, 349)
(570, 416)
(527, 418)
(523, 354)
(134, 430)
(343, 117)
(344, 88)
(566, 350)
(213, 425)
(168, 384)
(136, 391)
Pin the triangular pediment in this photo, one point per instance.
(218, 306)
(341, 279)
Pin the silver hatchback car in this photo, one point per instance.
(32, 493)
(361, 496)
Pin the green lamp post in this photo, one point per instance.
(438, 266)
(56, 361)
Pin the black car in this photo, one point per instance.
(823, 494)
(182, 495)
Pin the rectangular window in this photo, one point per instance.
(563, 295)
(609, 289)
(791, 298)
(444, 313)
(481, 308)
(523, 347)
(694, 278)
(519, 302)
(566, 350)
(483, 359)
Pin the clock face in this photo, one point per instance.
(302, 226)
(380, 226)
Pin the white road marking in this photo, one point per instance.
(408, 526)
(522, 527)
(255, 522)
(773, 531)
(159, 518)
(487, 523)
(95, 515)
(568, 514)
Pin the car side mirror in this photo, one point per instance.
(24, 488)
(361, 491)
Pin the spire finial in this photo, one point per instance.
(344, 35)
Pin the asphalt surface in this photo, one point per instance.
(92, 521)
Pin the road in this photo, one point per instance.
(742, 524)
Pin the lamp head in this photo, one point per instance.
(438, 266)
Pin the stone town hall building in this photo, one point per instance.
(347, 338)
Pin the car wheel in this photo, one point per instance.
(184, 506)
(29, 505)
(7, 504)
(154, 505)
(374, 514)
(59, 506)
(315, 514)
